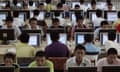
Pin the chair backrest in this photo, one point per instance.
(24, 61)
(59, 62)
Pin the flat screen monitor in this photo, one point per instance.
(7, 34)
(7, 69)
(79, 38)
(22, 16)
(41, 15)
(35, 69)
(82, 69)
(112, 16)
(34, 37)
(111, 69)
(3, 16)
(62, 39)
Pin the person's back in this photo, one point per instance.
(22, 48)
(56, 49)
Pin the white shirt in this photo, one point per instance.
(18, 22)
(112, 44)
(83, 7)
(98, 21)
(72, 62)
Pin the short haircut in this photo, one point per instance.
(48, 1)
(110, 4)
(77, 6)
(79, 18)
(54, 20)
(112, 51)
(88, 37)
(93, 3)
(41, 3)
(9, 55)
(54, 36)
(30, 3)
(32, 19)
(24, 37)
(16, 14)
(119, 14)
(111, 35)
(59, 5)
(36, 12)
(9, 18)
(40, 54)
(103, 23)
(79, 47)
(98, 13)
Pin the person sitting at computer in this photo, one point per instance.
(41, 7)
(110, 60)
(22, 47)
(79, 25)
(79, 58)
(112, 41)
(41, 60)
(9, 60)
(103, 25)
(93, 5)
(92, 51)
(9, 25)
(56, 48)
(56, 23)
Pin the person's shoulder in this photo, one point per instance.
(71, 59)
(32, 64)
(48, 62)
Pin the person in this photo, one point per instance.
(79, 58)
(83, 6)
(49, 6)
(9, 25)
(99, 18)
(92, 51)
(30, 6)
(41, 60)
(41, 7)
(56, 23)
(93, 5)
(111, 41)
(22, 47)
(9, 60)
(110, 60)
(16, 21)
(56, 48)
(103, 25)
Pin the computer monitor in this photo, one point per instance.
(111, 15)
(91, 14)
(41, 15)
(82, 69)
(111, 69)
(7, 69)
(7, 34)
(104, 36)
(35, 69)
(22, 16)
(35, 37)
(4, 14)
(79, 38)
(62, 35)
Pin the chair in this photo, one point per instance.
(24, 61)
(59, 63)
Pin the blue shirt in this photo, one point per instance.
(91, 48)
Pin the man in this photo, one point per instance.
(40, 60)
(110, 60)
(79, 58)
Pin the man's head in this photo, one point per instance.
(79, 52)
(110, 6)
(111, 35)
(9, 59)
(33, 22)
(9, 21)
(79, 20)
(111, 55)
(104, 24)
(24, 38)
(55, 22)
(54, 36)
(40, 58)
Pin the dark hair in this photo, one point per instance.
(48, 1)
(32, 19)
(24, 37)
(79, 18)
(36, 12)
(16, 14)
(119, 14)
(103, 23)
(93, 2)
(112, 51)
(79, 47)
(54, 36)
(77, 6)
(40, 54)
(111, 35)
(9, 18)
(41, 3)
(82, 1)
(55, 20)
(30, 3)
(88, 37)
(56, 14)
(59, 5)
(9, 55)
(98, 13)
